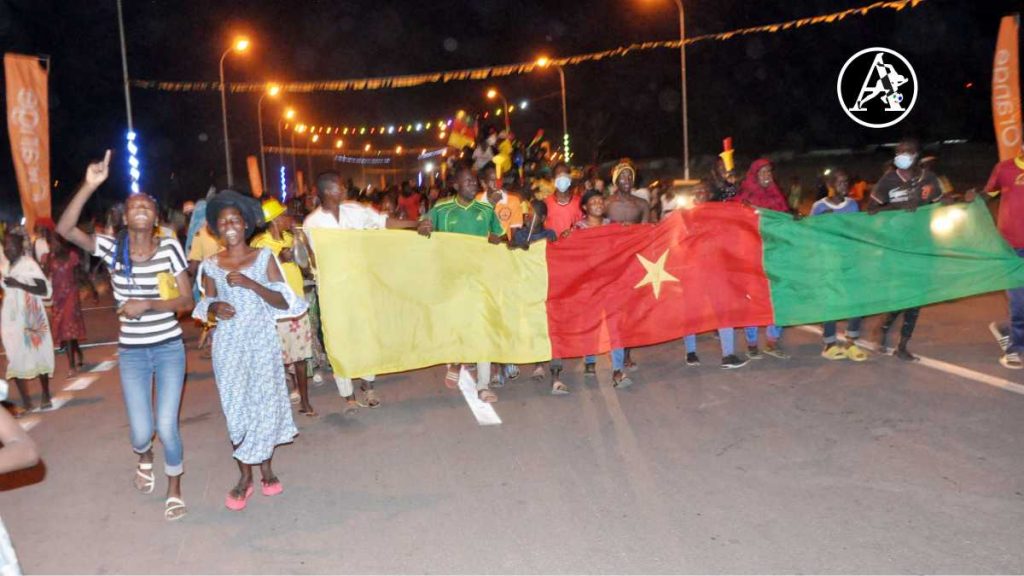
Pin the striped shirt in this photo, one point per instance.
(153, 327)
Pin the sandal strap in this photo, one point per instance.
(145, 465)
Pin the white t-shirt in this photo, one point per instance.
(41, 248)
(351, 216)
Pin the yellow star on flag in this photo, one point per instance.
(656, 274)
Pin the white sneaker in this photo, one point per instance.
(318, 378)
(1011, 360)
(997, 333)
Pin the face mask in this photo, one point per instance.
(492, 140)
(904, 161)
(563, 183)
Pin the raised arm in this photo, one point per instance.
(67, 227)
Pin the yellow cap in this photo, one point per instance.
(272, 209)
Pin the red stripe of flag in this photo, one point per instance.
(627, 286)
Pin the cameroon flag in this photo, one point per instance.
(394, 301)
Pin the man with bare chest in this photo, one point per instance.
(622, 207)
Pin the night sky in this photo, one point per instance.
(769, 91)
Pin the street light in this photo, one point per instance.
(682, 70)
(272, 90)
(544, 62)
(240, 45)
(491, 95)
(289, 114)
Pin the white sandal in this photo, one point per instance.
(171, 506)
(145, 471)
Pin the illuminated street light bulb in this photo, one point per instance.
(523, 104)
(398, 149)
(241, 44)
(441, 136)
(492, 94)
(338, 143)
(419, 126)
(300, 128)
(427, 125)
(273, 90)
(367, 147)
(543, 61)
(316, 137)
(289, 113)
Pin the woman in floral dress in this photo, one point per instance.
(246, 291)
(24, 327)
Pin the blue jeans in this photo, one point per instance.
(852, 330)
(618, 359)
(138, 366)
(727, 336)
(1016, 331)
(772, 331)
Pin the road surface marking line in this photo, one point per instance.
(484, 412)
(28, 423)
(81, 383)
(941, 366)
(104, 366)
(96, 344)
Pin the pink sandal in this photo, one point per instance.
(238, 504)
(272, 489)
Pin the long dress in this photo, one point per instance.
(67, 308)
(24, 328)
(247, 362)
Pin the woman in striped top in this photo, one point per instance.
(150, 341)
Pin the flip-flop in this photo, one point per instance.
(238, 504)
(487, 396)
(171, 506)
(271, 489)
(559, 389)
(451, 378)
(150, 478)
(309, 413)
(624, 382)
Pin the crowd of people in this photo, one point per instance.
(246, 271)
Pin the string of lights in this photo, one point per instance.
(414, 80)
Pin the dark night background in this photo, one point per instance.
(768, 91)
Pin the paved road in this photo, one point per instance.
(795, 466)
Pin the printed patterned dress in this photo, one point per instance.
(67, 308)
(24, 327)
(247, 361)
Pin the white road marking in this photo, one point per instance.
(81, 383)
(28, 422)
(947, 367)
(104, 366)
(484, 412)
(58, 402)
(96, 344)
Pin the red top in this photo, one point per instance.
(561, 218)
(1008, 179)
(751, 190)
(410, 205)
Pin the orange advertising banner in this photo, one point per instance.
(29, 127)
(1006, 89)
(255, 180)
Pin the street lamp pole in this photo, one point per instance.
(565, 117)
(682, 70)
(504, 102)
(272, 92)
(224, 118)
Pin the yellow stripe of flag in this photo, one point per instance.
(393, 300)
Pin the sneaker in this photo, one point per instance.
(904, 355)
(590, 369)
(512, 371)
(754, 353)
(774, 351)
(1002, 338)
(733, 361)
(620, 380)
(833, 352)
(854, 352)
(318, 378)
(1011, 360)
(692, 359)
